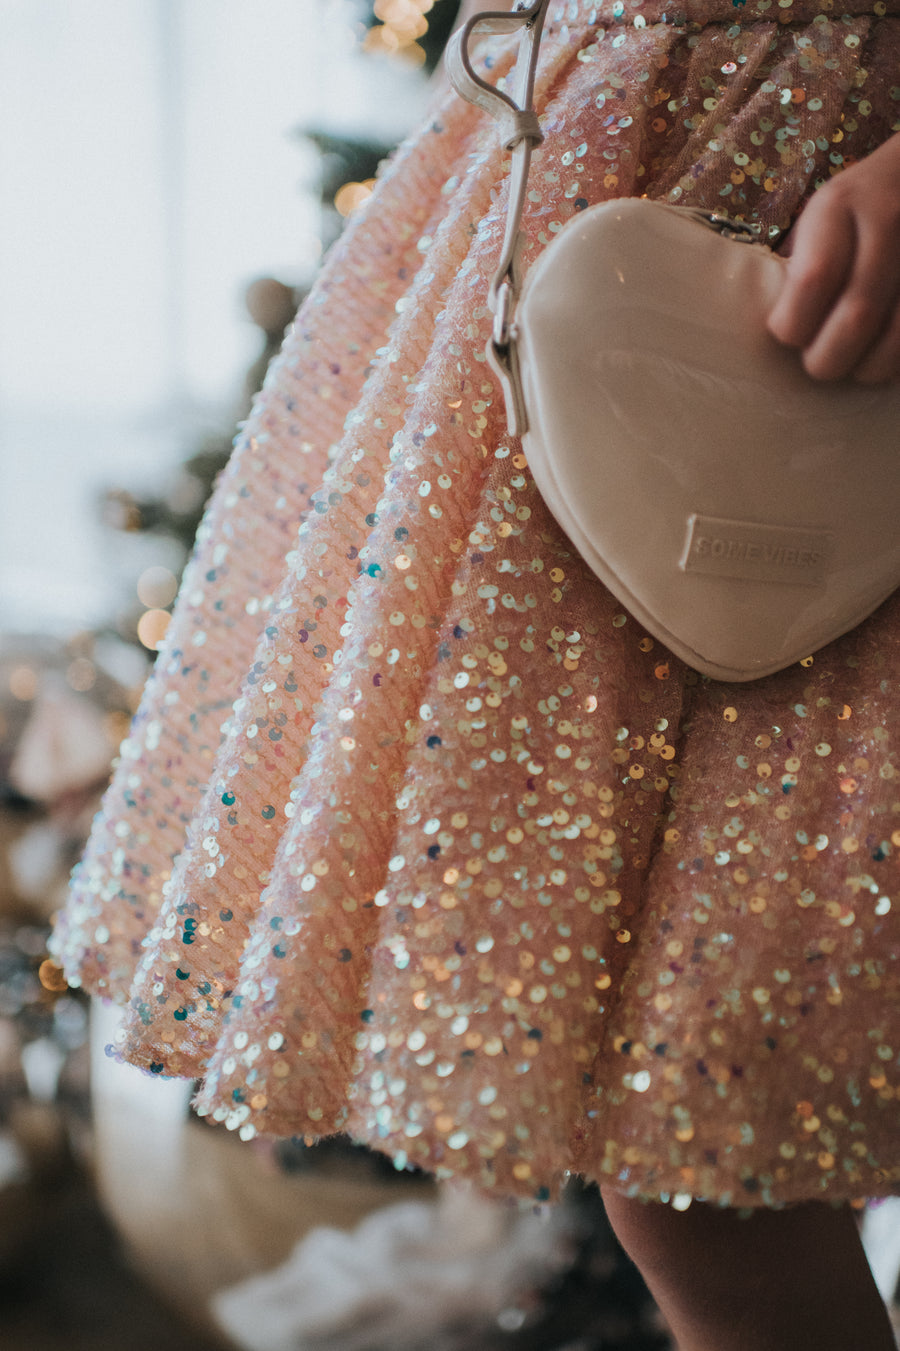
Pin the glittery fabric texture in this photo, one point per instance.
(418, 835)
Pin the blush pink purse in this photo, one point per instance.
(744, 513)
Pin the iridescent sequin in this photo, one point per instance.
(417, 835)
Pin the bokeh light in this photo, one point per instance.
(402, 23)
(352, 196)
(152, 627)
(157, 587)
(23, 683)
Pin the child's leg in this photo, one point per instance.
(780, 1280)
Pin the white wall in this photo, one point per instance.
(149, 168)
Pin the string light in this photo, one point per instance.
(152, 627)
(23, 683)
(117, 723)
(157, 587)
(52, 977)
(81, 675)
(402, 23)
(352, 196)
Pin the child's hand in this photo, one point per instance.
(841, 301)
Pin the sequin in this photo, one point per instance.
(417, 835)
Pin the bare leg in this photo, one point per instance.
(780, 1280)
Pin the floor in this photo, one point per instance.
(68, 1285)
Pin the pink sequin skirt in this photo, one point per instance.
(417, 834)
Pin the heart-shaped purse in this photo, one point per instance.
(743, 512)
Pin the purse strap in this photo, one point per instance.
(514, 110)
(521, 133)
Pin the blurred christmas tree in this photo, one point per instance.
(410, 33)
(398, 30)
(176, 513)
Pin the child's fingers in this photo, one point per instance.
(882, 362)
(859, 324)
(815, 274)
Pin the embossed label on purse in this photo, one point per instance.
(756, 553)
